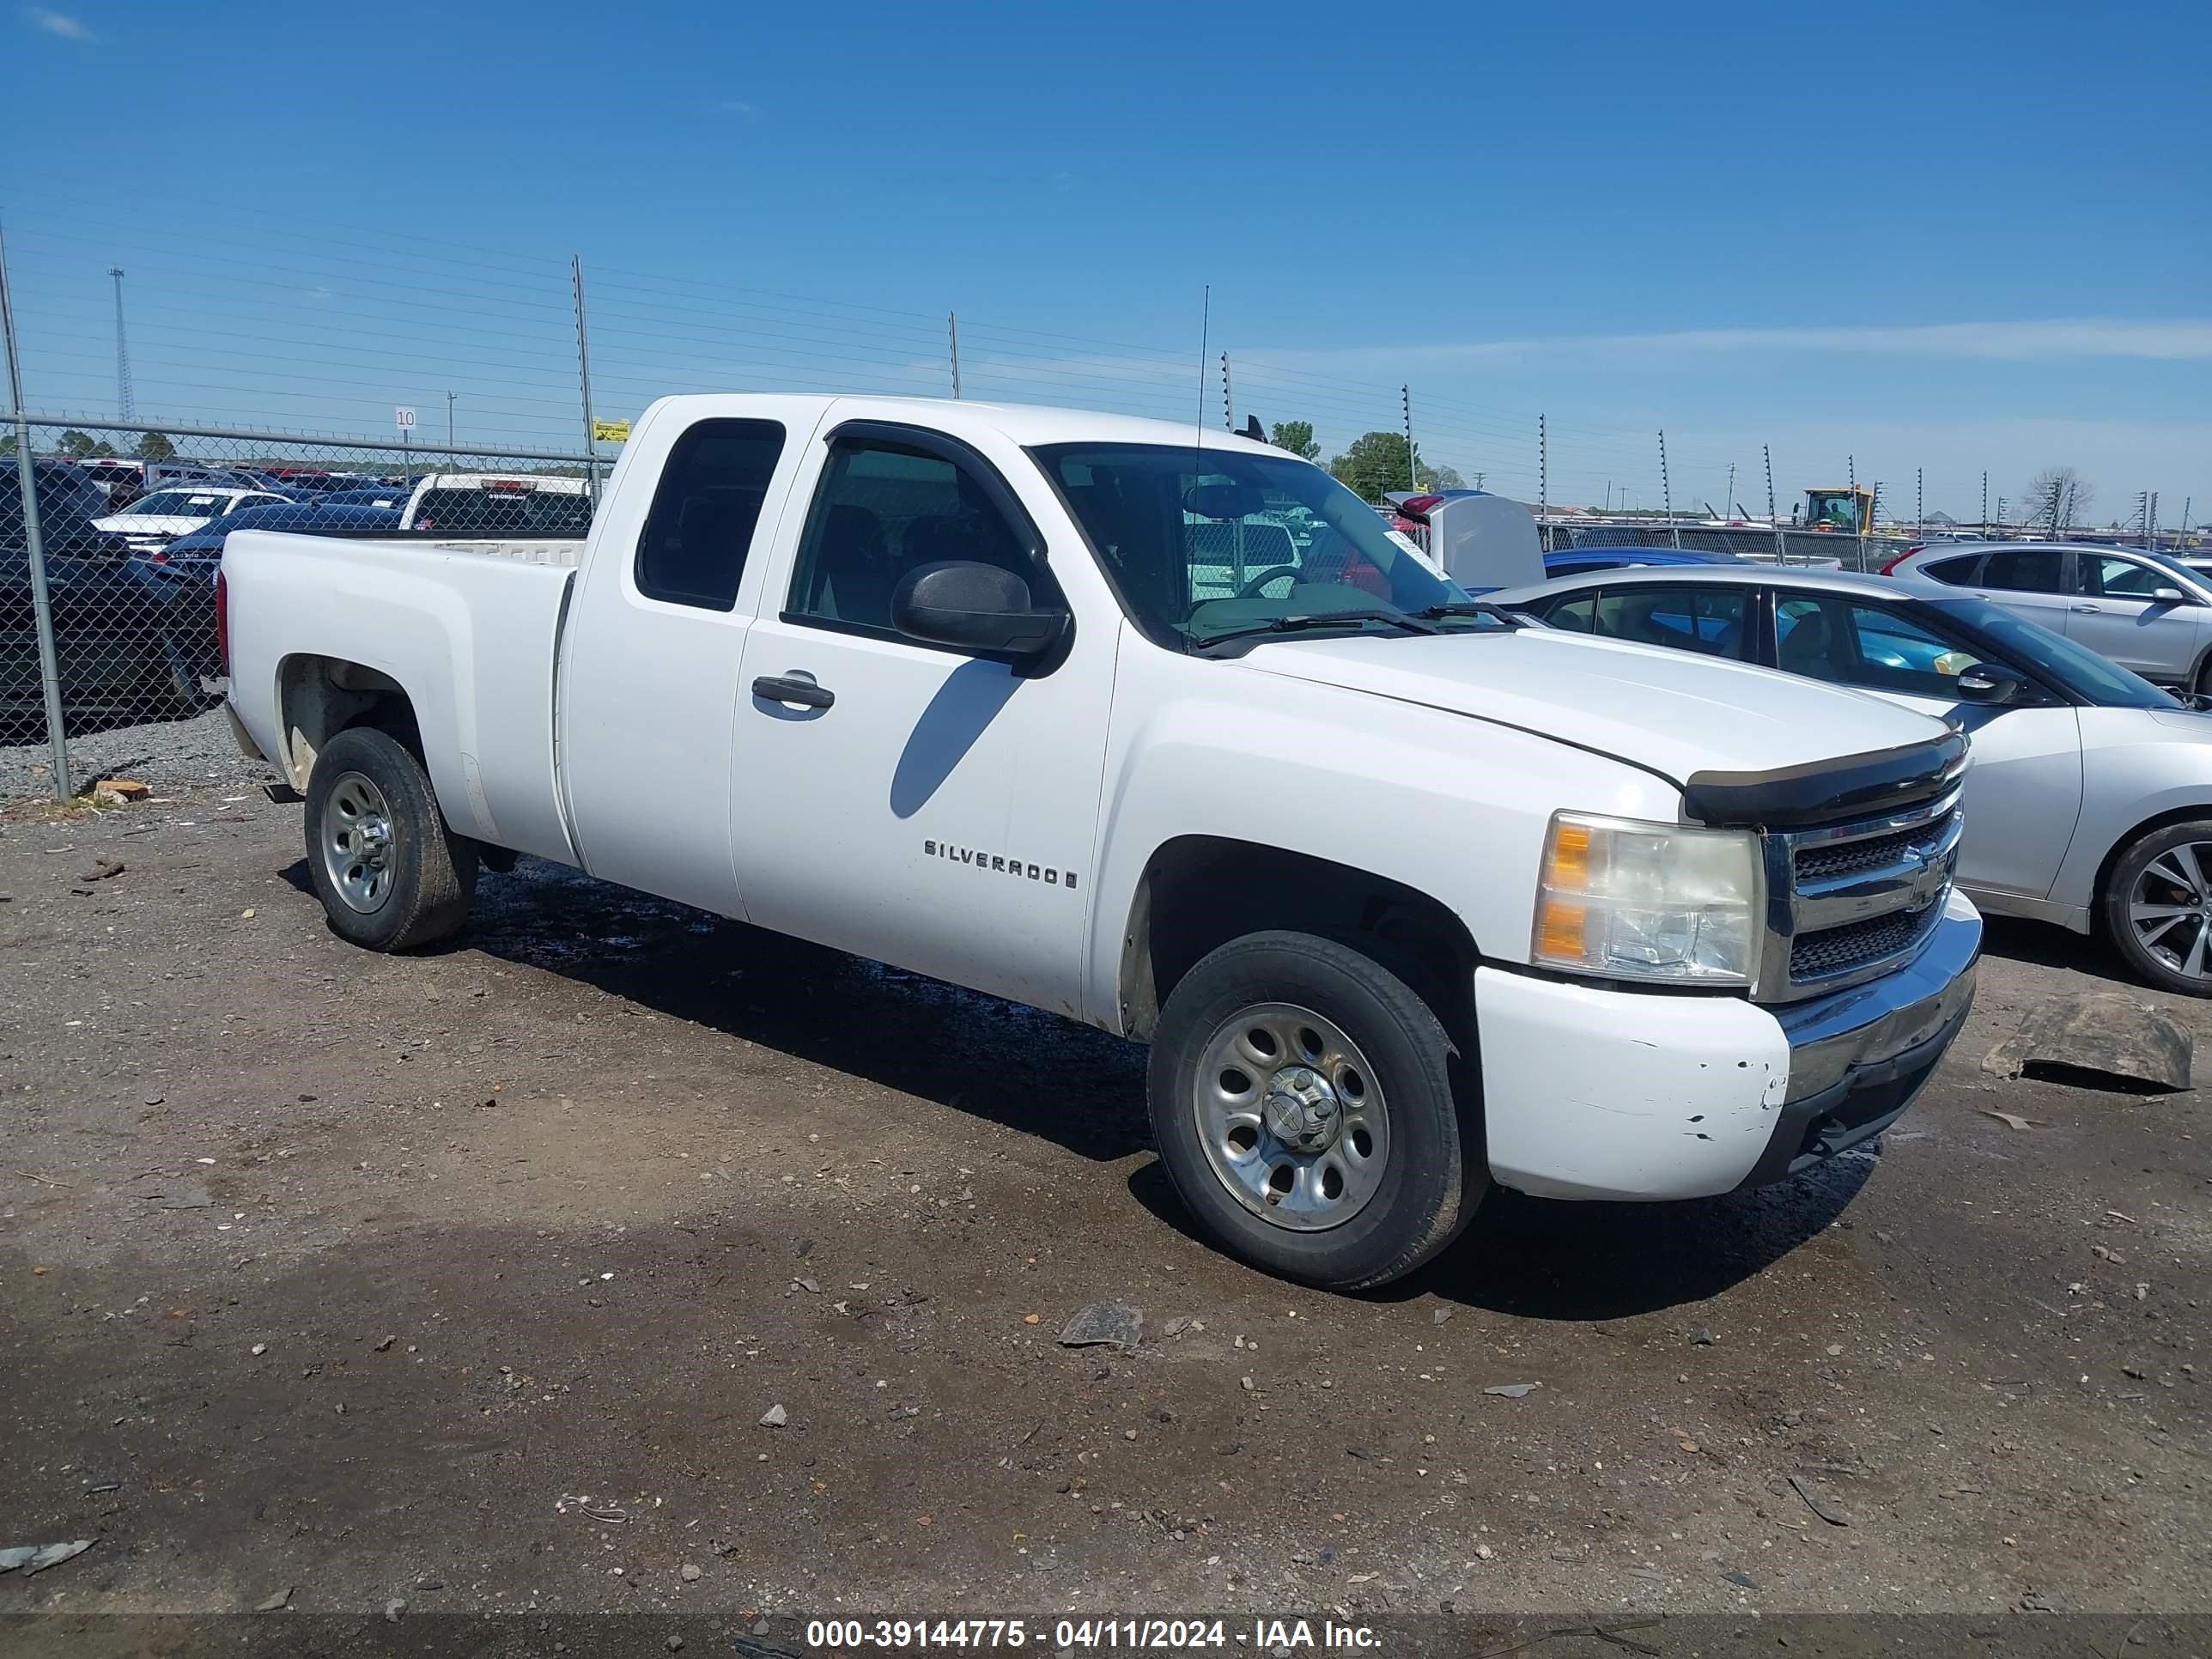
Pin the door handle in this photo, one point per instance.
(2087, 610)
(791, 687)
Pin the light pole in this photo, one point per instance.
(126, 407)
(449, 419)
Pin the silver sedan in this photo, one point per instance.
(2147, 611)
(2089, 800)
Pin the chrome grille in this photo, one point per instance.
(1854, 945)
(1823, 861)
(1850, 902)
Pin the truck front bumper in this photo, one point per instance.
(1594, 1093)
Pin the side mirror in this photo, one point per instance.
(974, 607)
(1987, 682)
(2170, 596)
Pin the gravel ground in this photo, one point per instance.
(340, 1276)
(171, 754)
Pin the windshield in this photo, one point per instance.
(2080, 671)
(178, 504)
(1202, 545)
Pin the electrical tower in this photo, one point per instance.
(126, 407)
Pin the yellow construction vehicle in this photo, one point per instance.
(1847, 511)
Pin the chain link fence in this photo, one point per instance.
(107, 568)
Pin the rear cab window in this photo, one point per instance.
(700, 528)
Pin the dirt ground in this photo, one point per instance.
(466, 1281)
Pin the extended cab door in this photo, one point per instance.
(648, 690)
(910, 802)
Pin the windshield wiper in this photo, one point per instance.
(1410, 623)
(1474, 608)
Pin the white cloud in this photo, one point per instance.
(56, 22)
(2172, 340)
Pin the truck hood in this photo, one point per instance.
(1667, 712)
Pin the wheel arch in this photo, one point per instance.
(318, 696)
(1198, 892)
(2127, 838)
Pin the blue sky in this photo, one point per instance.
(1945, 236)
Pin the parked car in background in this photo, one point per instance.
(1574, 560)
(116, 638)
(154, 519)
(2148, 612)
(201, 550)
(2089, 800)
(392, 495)
(185, 569)
(501, 503)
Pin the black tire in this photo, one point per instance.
(2113, 906)
(431, 871)
(1434, 1173)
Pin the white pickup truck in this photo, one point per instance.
(1163, 731)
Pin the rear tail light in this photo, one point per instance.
(223, 620)
(1901, 558)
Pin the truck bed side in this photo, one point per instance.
(326, 632)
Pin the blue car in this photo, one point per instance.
(393, 496)
(185, 568)
(1574, 560)
(198, 550)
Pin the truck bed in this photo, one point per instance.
(469, 629)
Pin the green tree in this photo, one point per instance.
(157, 446)
(8, 445)
(76, 443)
(1376, 463)
(1298, 437)
(104, 450)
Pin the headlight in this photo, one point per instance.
(1648, 901)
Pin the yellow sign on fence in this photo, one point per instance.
(611, 432)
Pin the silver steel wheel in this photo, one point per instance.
(1291, 1116)
(356, 842)
(2170, 908)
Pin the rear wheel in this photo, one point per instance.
(2157, 908)
(1303, 1103)
(389, 871)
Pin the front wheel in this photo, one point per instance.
(1302, 1105)
(2156, 907)
(389, 871)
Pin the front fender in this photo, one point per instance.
(1449, 805)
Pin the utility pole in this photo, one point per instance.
(126, 406)
(1985, 504)
(1667, 493)
(1727, 502)
(952, 332)
(1919, 501)
(1781, 547)
(1228, 396)
(450, 395)
(2150, 523)
(1413, 467)
(34, 546)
